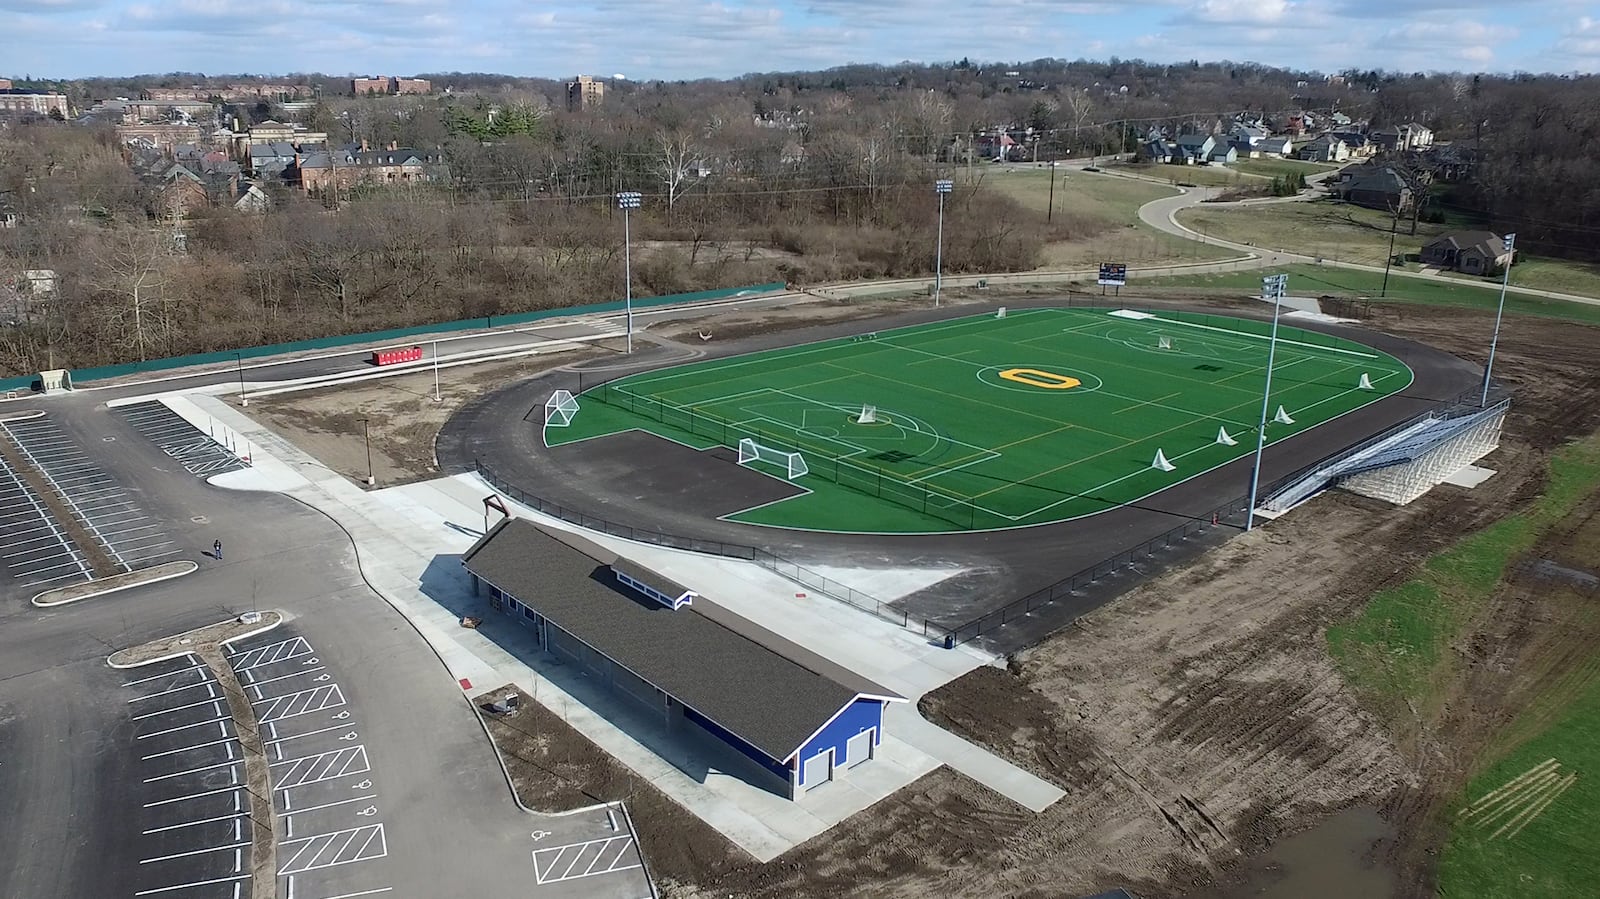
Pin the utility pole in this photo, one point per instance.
(1050, 211)
(1394, 224)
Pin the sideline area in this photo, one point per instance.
(409, 537)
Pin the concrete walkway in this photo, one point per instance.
(408, 537)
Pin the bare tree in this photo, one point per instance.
(676, 163)
(1079, 107)
(130, 265)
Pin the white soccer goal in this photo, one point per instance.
(1163, 343)
(560, 409)
(868, 416)
(793, 464)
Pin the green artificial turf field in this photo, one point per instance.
(988, 422)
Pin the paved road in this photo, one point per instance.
(81, 781)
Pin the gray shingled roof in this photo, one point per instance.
(773, 702)
(648, 576)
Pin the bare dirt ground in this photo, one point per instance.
(402, 417)
(1194, 722)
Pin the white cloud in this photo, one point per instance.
(1255, 12)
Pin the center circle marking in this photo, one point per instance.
(1040, 378)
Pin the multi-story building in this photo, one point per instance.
(20, 100)
(320, 172)
(585, 91)
(360, 87)
(5, 84)
(412, 86)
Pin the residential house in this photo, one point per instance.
(1249, 135)
(358, 164)
(10, 216)
(1194, 149)
(1223, 154)
(994, 146)
(268, 160)
(250, 198)
(1156, 150)
(1359, 145)
(1278, 145)
(1375, 187)
(1470, 252)
(1401, 138)
(1326, 148)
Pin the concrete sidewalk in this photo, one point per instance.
(408, 539)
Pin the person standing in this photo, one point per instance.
(216, 550)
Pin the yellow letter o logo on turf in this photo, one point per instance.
(1033, 377)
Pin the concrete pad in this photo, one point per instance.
(1470, 476)
(886, 584)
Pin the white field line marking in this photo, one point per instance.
(162, 858)
(146, 758)
(171, 730)
(1246, 335)
(197, 883)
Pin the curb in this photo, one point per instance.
(43, 602)
(22, 416)
(178, 655)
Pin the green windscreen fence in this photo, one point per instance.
(103, 372)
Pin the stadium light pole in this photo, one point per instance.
(243, 400)
(1273, 286)
(627, 200)
(1510, 244)
(940, 187)
(436, 397)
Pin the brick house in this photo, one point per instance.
(1469, 252)
(358, 164)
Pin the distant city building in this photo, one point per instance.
(5, 84)
(389, 84)
(18, 100)
(585, 91)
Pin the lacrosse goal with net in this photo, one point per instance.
(793, 464)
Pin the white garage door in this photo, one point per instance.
(819, 769)
(858, 748)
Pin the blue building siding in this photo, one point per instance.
(857, 717)
(732, 739)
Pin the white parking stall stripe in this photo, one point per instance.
(372, 845)
(197, 883)
(174, 730)
(232, 789)
(227, 764)
(545, 871)
(146, 861)
(361, 893)
(320, 767)
(310, 733)
(318, 808)
(157, 755)
(195, 670)
(259, 684)
(302, 703)
(235, 816)
(177, 708)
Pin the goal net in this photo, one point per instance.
(560, 409)
(868, 416)
(793, 464)
(1163, 343)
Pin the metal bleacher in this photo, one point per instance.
(1403, 445)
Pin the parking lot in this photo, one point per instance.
(195, 829)
(323, 785)
(132, 538)
(191, 447)
(36, 553)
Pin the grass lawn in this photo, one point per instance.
(1318, 280)
(1199, 175)
(1109, 204)
(1346, 233)
(1271, 167)
(1506, 839)
(986, 422)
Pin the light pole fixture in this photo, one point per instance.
(436, 396)
(1274, 287)
(941, 187)
(243, 400)
(367, 438)
(627, 200)
(1050, 207)
(1509, 242)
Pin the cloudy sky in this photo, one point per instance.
(672, 39)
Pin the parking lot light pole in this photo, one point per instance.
(1273, 286)
(940, 187)
(627, 200)
(367, 438)
(243, 400)
(1510, 244)
(436, 397)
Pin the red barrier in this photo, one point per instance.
(394, 357)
